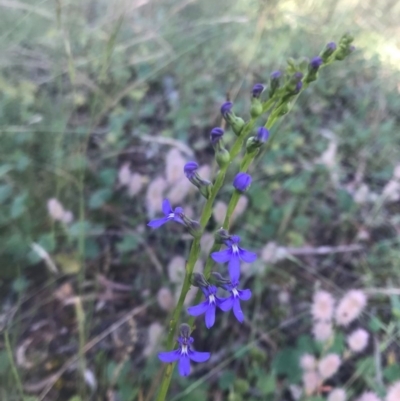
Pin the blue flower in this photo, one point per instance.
(276, 75)
(208, 307)
(190, 169)
(170, 214)
(242, 181)
(233, 301)
(262, 134)
(184, 354)
(226, 108)
(234, 254)
(216, 135)
(257, 90)
(315, 63)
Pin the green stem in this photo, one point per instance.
(12, 364)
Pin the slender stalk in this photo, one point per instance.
(12, 364)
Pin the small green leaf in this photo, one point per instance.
(99, 198)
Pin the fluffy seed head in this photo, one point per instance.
(311, 382)
(329, 365)
(393, 393)
(308, 362)
(135, 184)
(358, 340)
(322, 331)
(338, 394)
(55, 209)
(323, 305)
(369, 396)
(350, 307)
(174, 164)
(165, 299)
(124, 174)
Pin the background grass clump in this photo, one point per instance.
(101, 103)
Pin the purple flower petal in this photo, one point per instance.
(210, 316)
(199, 356)
(244, 295)
(222, 256)
(166, 207)
(247, 256)
(226, 304)
(184, 366)
(234, 269)
(198, 309)
(169, 357)
(158, 222)
(237, 310)
(178, 220)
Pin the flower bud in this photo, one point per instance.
(345, 47)
(328, 51)
(204, 186)
(222, 157)
(242, 182)
(218, 280)
(293, 86)
(254, 142)
(221, 235)
(184, 330)
(216, 135)
(274, 82)
(198, 280)
(235, 122)
(256, 108)
(257, 90)
(193, 226)
(313, 68)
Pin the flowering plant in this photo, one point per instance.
(283, 91)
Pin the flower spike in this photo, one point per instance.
(175, 215)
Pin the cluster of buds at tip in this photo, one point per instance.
(275, 81)
(256, 108)
(345, 47)
(222, 156)
(190, 169)
(235, 122)
(313, 68)
(242, 182)
(255, 142)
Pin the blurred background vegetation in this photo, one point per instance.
(100, 104)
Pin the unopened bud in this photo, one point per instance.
(313, 68)
(184, 330)
(193, 226)
(192, 175)
(222, 157)
(274, 82)
(235, 122)
(221, 235)
(198, 280)
(219, 280)
(328, 51)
